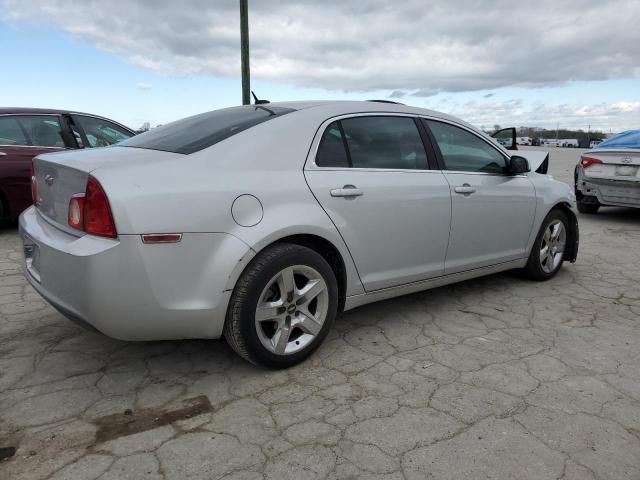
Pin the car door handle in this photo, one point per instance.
(2, 154)
(347, 191)
(465, 189)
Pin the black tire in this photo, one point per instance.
(588, 208)
(533, 269)
(240, 329)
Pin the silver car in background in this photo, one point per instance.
(260, 223)
(610, 174)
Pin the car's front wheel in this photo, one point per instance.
(282, 307)
(547, 254)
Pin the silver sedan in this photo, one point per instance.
(260, 223)
(610, 174)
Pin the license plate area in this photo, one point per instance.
(32, 258)
(626, 170)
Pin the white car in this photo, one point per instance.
(261, 223)
(610, 174)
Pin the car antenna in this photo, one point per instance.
(256, 101)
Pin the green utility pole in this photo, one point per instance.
(244, 52)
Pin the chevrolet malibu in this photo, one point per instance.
(260, 223)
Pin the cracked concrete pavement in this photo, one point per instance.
(498, 377)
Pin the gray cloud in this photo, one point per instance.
(488, 95)
(398, 94)
(359, 46)
(426, 92)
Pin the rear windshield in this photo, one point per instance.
(195, 133)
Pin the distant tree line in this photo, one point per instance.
(562, 133)
(584, 138)
(536, 134)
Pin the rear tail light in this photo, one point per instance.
(34, 185)
(588, 161)
(97, 212)
(90, 211)
(76, 211)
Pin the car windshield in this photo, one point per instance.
(630, 139)
(195, 133)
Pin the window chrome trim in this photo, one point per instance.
(464, 172)
(33, 146)
(310, 163)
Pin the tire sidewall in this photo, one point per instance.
(297, 255)
(534, 258)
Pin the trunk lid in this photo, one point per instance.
(61, 175)
(56, 185)
(617, 164)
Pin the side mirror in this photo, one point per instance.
(518, 165)
(507, 138)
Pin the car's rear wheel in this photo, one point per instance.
(282, 306)
(547, 254)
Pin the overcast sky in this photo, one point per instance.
(576, 62)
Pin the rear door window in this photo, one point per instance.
(372, 142)
(100, 132)
(332, 151)
(31, 130)
(196, 133)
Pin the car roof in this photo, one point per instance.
(28, 110)
(627, 139)
(330, 108)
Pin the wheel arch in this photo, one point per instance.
(327, 250)
(573, 233)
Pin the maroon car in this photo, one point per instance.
(27, 132)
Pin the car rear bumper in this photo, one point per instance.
(611, 192)
(130, 290)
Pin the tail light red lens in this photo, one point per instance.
(34, 185)
(97, 212)
(91, 212)
(588, 161)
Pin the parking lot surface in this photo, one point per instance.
(493, 378)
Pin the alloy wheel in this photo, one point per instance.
(553, 245)
(291, 309)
